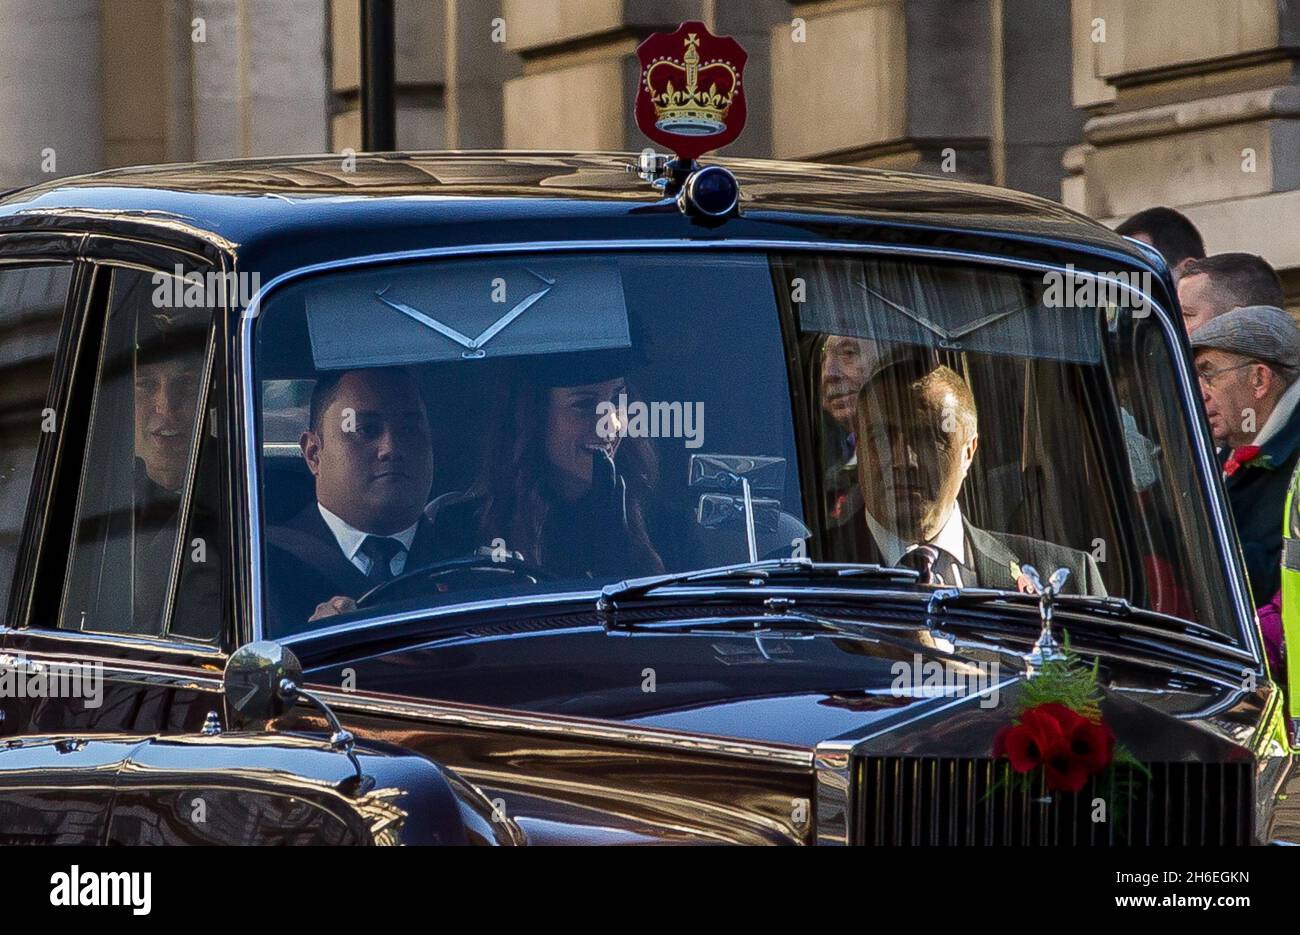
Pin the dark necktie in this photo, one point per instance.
(381, 550)
(922, 559)
(936, 566)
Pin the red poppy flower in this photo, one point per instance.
(1068, 746)
(1064, 773)
(1068, 718)
(1029, 743)
(1243, 455)
(1091, 745)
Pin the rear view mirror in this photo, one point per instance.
(742, 500)
(730, 473)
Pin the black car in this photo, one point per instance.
(546, 498)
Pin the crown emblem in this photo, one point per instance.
(690, 96)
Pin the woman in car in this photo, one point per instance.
(561, 485)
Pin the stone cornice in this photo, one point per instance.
(1282, 101)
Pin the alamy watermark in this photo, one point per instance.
(77, 887)
(1070, 289)
(657, 419)
(212, 290)
(23, 678)
(932, 678)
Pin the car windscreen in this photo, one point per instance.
(446, 431)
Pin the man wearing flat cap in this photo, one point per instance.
(1247, 361)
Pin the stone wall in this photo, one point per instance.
(1193, 104)
(1110, 105)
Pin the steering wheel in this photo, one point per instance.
(472, 569)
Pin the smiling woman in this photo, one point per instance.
(488, 427)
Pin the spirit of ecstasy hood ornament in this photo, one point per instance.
(1046, 649)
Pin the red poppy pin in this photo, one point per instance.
(1246, 455)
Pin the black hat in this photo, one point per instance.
(580, 368)
(169, 334)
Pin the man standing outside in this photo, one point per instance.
(1248, 361)
(1170, 232)
(1217, 284)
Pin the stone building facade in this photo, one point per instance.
(1108, 105)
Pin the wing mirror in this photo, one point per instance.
(264, 679)
(261, 681)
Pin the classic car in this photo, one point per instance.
(617, 620)
(525, 498)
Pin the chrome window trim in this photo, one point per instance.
(247, 416)
(98, 643)
(153, 244)
(156, 220)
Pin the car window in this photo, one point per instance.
(1005, 419)
(139, 467)
(529, 423)
(510, 425)
(31, 309)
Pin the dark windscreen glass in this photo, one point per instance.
(1005, 419)
(440, 432)
(585, 420)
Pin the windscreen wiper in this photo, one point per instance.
(1114, 608)
(755, 574)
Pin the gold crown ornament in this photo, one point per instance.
(689, 96)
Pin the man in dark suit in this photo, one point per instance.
(369, 447)
(917, 433)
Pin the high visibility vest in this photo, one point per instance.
(1291, 594)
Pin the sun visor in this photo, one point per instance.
(957, 309)
(500, 307)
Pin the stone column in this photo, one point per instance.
(580, 70)
(975, 89)
(260, 78)
(147, 68)
(1038, 120)
(902, 85)
(478, 66)
(50, 90)
(751, 23)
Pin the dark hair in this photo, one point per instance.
(1170, 231)
(327, 387)
(1238, 279)
(512, 488)
(166, 337)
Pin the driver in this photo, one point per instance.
(369, 447)
(917, 433)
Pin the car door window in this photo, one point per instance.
(139, 479)
(31, 309)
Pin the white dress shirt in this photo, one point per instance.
(350, 538)
(951, 538)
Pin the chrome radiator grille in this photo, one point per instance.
(931, 800)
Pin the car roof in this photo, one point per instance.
(326, 206)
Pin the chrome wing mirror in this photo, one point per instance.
(264, 680)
